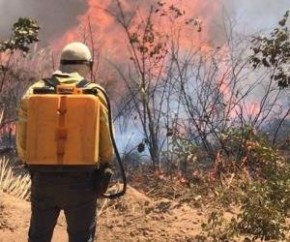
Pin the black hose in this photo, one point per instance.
(122, 192)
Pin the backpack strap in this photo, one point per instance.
(82, 84)
(51, 82)
(49, 87)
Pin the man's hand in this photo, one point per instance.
(102, 180)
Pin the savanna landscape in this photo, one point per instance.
(201, 118)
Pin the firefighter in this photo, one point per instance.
(71, 189)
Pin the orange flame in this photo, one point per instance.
(111, 40)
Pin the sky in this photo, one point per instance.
(56, 17)
(256, 15)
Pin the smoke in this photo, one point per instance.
(258, 15)
(58, 17)
(55, 17)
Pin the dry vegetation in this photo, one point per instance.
(213, 171)
(211, 205)
(13, 183)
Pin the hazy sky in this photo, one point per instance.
(54, 16)
(259, 14)
(57, 16)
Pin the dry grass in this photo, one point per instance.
(2, 217)
(15, 184)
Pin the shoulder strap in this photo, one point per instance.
(51, 82)
(82, 84)
(49, 86)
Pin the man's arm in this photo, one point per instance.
(22, 121)
(105, 145)
(21, 129)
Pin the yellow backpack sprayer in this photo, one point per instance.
(63, 127)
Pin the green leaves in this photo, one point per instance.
(274, 52)
(25, 32)
(264, 210)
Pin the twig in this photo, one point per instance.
(103, 207)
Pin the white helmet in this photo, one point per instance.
(76, 51)
(74, 57)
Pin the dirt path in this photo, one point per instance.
(15, 217)
(132, 218)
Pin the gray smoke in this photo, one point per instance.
(257, 15)
(247, 17)
(55, 17)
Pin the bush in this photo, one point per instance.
(216, 229)
(261, 215)
(263, 195)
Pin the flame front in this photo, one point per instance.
(197, 27)
(100, 28)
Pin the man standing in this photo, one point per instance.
(57, 186)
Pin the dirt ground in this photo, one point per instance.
(134, 217)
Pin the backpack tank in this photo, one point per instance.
(62, 129)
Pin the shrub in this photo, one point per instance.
(263, 195)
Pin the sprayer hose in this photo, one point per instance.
(122, 192)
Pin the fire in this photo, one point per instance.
(193, 22)
(96, 28)
(108, 37)
(253, 108)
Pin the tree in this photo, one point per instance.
(151, 85)
(182, 95)
(24, 33)
(273, 52)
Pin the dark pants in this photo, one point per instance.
(71, 192)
